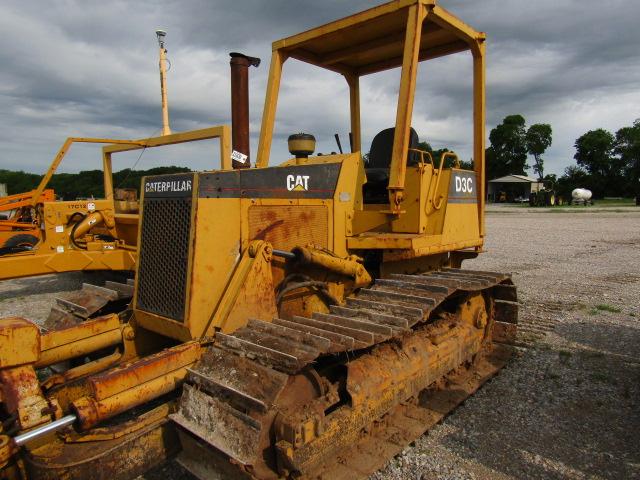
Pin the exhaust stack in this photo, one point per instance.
(240, 64)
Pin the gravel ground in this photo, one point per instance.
(568, 405)
(33, 297)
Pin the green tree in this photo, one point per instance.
(538, 139)
(550, 181)
(466, 165)
(573, 177)
(69, 186)
(627, 147)
(595, 153)
(507, 153)
(19, 182)
(436, 154)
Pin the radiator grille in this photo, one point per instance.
(164, 257)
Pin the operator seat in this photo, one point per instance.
(377, 167)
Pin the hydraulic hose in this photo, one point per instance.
(16, 249)
(87, 222)
(72, 235)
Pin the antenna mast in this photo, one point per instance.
(163, 82)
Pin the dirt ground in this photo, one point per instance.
(568, 406)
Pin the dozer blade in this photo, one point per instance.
(85, 303)
(125, 290)
(403, 352)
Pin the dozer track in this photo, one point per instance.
(336, 395)
(88, 302)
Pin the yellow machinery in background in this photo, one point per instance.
(303, 320)
(84, 235)
(18, 228)
(95, 234)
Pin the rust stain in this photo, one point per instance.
(288, 226)
(262, 234)
(134, 373)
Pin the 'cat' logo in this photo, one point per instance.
(297, 183)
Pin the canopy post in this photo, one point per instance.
(404, 111)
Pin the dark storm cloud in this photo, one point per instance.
(90, 68)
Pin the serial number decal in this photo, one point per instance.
(239, 157)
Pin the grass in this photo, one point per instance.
(585, 210)
(608, 204)
(564, 356)
(599, 377)
(551, 376)
(626, 202)
(602, 377)
(594, 354)
(605, 307)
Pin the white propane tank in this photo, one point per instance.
(581, 194)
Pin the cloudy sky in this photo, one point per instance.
(90, 69)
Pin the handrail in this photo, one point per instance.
(438, 173)
(422, 152)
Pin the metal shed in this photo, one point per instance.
(514, 187)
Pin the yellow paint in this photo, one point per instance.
(216, 253)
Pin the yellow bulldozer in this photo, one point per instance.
(302, 320)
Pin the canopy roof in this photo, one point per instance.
(514, 179)
(373, 40)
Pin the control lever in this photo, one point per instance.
(338, 142)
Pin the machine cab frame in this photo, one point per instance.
(397, 34)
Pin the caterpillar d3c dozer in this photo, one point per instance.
(301, 320)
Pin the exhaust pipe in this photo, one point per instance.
(240, 108)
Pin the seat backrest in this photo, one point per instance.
(382, 147)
